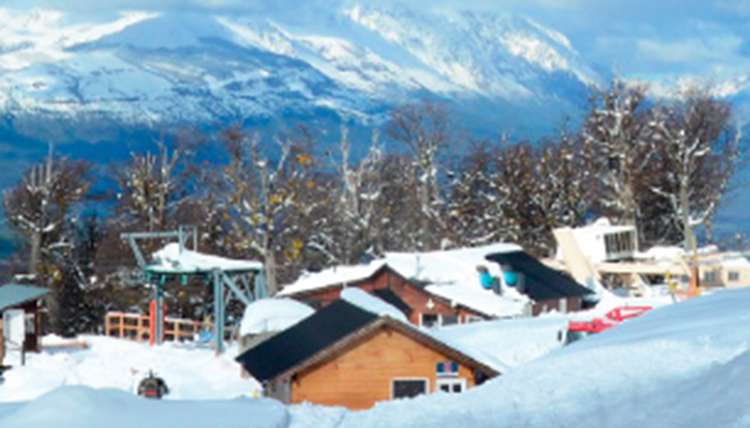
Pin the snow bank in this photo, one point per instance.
(370, 303)
(681, 365)
(171, 260)
(505, 344)
(267, 315)
(83, 407)
(190, 372)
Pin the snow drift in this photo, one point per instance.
(83, 407)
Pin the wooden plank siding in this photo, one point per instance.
(414, 296)
(363, 375)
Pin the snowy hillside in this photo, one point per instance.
(354, 62)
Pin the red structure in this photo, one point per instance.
(611, 319)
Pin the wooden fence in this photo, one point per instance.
(137, 326)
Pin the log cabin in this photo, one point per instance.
(346, 356)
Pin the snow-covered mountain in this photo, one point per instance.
(353, 62)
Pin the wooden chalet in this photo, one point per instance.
(547, 288)
(346, 356)
(421, 307)
(28, 299)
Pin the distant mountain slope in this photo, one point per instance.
(176, 68)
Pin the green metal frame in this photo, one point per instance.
(218, 278)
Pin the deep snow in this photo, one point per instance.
(192, 373)
(680, 365)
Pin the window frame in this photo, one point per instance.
(438, 322)
(425, 380)
(450, 381)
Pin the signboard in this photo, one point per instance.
(14, 328)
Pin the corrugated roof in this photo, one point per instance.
(541, 282)
(14, 294)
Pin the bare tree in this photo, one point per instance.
(423, 129)
(39, 205)
(262, 200)
(352, 206)
(617, 134)
(697, 155)
(150, 187)
(477, 198)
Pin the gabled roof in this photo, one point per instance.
(300, 342)
(14, 295)
(541, 282)
(457, 266)
(327, 333)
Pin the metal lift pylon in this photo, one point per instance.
(221, 273)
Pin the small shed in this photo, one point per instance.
(346, 356)
(547, 288)
(28, 299)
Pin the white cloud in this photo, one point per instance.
(689, 50)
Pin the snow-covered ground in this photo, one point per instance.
(678, 366)
(506, 344)
(191, 373)
(686, 364)
(83, 407)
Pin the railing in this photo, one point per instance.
(137, 327)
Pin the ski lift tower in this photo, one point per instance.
(228, 277)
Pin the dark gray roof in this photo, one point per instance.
(319, 333)
(14, 294)
(298, 343)
(540, 281)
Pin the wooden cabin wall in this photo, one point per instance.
(363, 375)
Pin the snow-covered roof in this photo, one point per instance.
(484, 301)
(737, 261)
(457, 266)
(172, 259)
(452, 273)
(269, 315)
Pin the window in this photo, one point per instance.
(472, 318)
(619, 244)
(450, 319)
(407, 388)
(734, 276)
(451, 386)
(30, 323)
(429, 320)
(709, 277)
